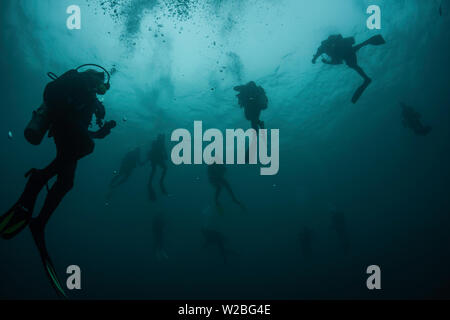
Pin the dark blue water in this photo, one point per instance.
(391, 185)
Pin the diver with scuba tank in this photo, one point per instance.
(340, 50)
(70, 102)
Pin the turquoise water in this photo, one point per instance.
(177, 62)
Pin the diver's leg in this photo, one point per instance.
(163, 175)
(255, 124)
(361, 72)
(261, 124)
(114, 180)
(359, 46)
(124, 179)
(37, 181)
(362, 45)
(230, 191)
(376, 40)
(118, 180)
(218, 191)
(360, 90)
(19, 216)
(352, 62)
(63, 184)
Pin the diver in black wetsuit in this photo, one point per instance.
(253, 99)
(411, 120)
(70, 102)
(129, 162)
(158, 158)
(339, 224)
(216, 176)
(217, 239)
(340, 49)
(158, 227)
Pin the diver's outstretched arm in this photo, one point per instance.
(104, 131)
(319, 52)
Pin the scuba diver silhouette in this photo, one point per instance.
(411, 120)
(70, 102)
(217, 239)
(130, 161)
(158, 157)
(216, 176)
(253, 99)
(340, 49)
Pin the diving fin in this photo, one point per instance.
(19, 216)
(14, 221)
(377, 40)
(360, 91)
(51, 274)
(39, 240)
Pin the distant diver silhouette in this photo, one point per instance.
(341, 49)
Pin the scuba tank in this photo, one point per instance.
(38, 126)
(41, 120)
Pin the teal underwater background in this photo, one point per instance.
(177, 61)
